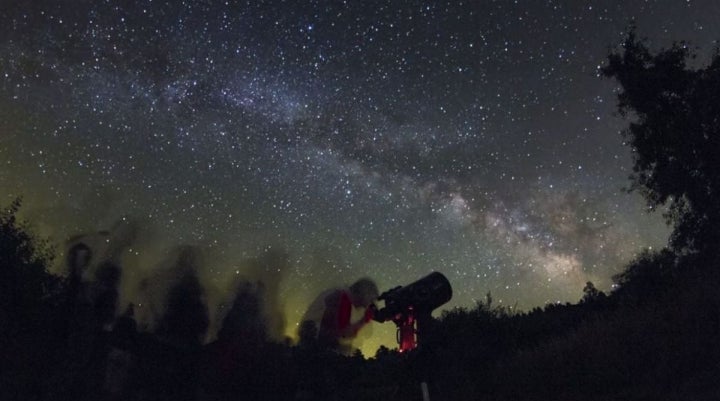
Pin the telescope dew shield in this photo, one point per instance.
(420, 297)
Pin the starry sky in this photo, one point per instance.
(310, 143)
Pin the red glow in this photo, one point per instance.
(407, 333)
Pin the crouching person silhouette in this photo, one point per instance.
(340, 313)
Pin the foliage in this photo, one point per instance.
(29, 297)
(647, 277)
(591, 294)
(675, 137)
(24, 280)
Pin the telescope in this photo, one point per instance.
(410, 307)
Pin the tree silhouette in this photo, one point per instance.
(24, 279)
(591, 294)
(647, 278)
(675, 137)
(29, 296)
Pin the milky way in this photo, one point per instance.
(382, 139)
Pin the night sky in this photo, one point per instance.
(309, 144)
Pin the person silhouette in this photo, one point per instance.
(338, 314)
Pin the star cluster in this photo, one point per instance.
(386, 139)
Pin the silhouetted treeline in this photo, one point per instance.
(655, 337)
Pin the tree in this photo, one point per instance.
(591, 294)
(675, 136)
(29, 296)
(25, 283)
(647, 278)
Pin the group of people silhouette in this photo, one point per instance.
(106, 355)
